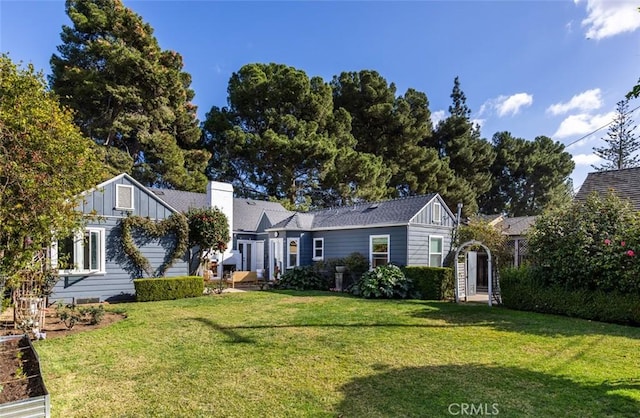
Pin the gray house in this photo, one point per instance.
(265, 237)
(92, 265)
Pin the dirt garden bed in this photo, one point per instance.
(19, 365)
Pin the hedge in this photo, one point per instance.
(432, 283)
(166, 288)
(522, 290)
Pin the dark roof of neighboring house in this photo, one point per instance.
(246, 212)
(390, 212)
(625, 183)
(516, 226)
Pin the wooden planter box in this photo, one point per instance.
(36, 402)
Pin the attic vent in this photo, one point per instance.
(251, 203)
(373, 206)
(124, 197)
(158, 192)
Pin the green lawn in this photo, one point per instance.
(326, 355)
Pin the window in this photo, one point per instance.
(124, 197)
(435, 251)
(318, 249)
(437, 213)
(293, 249)
(82, 253)
(379, 250)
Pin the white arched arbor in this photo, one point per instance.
(461, 274)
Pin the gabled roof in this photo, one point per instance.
(136, 183)
(247, 213)
(385, 213)
(625, 183)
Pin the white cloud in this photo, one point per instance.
(586, 159)
(582, 124)
(607, 18)
(478, 122)
(505, 105)
(513, 104)
(437, 116)
(587, 100)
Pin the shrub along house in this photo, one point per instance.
(93, 265)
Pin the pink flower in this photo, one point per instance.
(607, 241)
(630, 253)
(623, 243)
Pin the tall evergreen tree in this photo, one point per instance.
(280, 137)
(392, 128)
(131, 97)
(622, 144)
(529, 176)
(470, 156)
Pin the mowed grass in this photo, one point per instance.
(288, 354)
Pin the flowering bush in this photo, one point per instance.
(591, 246)
(208, 231)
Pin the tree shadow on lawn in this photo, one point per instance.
(228, 331)
(506, 391)
(504, 319)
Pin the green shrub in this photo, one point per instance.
(357, 264)
(92, 314)
(524, 289)
(383, 282)
(166, 288)
(303, 278)
(595, 245)
(432, 283)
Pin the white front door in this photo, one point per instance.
(472, 272)
(276, 260)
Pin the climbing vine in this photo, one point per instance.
(175, 224)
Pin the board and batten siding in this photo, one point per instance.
(117, 281)
(418, 243)
(425, 216)
(103, 201)
(341, 243)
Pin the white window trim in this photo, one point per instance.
(78, 244)
(120, 207)
(371, 238)
(289, 265)
(436, 219)
(441, 249)
(315, 257)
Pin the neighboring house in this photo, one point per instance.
(264, 235)
(625, 183)
(516, 229)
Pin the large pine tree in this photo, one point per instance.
(130, 96)
(470, 157)
(392, 128)
(280, 137)
(622, 144)
(528, 176)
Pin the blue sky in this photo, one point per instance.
(554, 68)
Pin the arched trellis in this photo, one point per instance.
(461, 270)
